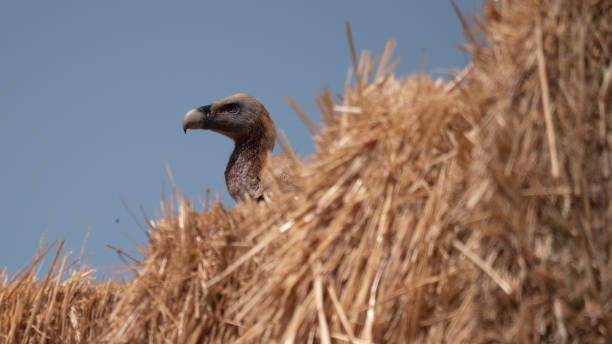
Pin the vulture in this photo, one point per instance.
(246, 121)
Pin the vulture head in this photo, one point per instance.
(238, 117)
(245, 120)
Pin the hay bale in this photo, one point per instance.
(456, 214)
(472, 211)
(66, 306)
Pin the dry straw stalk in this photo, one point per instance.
(477, 210)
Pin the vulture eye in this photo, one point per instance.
(232, 108)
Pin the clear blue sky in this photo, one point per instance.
(92, 95)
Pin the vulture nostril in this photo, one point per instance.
(204, 109)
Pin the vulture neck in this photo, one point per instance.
(243, 171)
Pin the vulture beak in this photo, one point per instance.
(197, 118)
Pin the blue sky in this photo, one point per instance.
(92, 95)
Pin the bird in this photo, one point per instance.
(246, 121)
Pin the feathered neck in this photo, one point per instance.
(243, 171)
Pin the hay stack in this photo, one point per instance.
(66, 306)
(472, 211)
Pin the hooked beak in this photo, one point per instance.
(197, 118)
